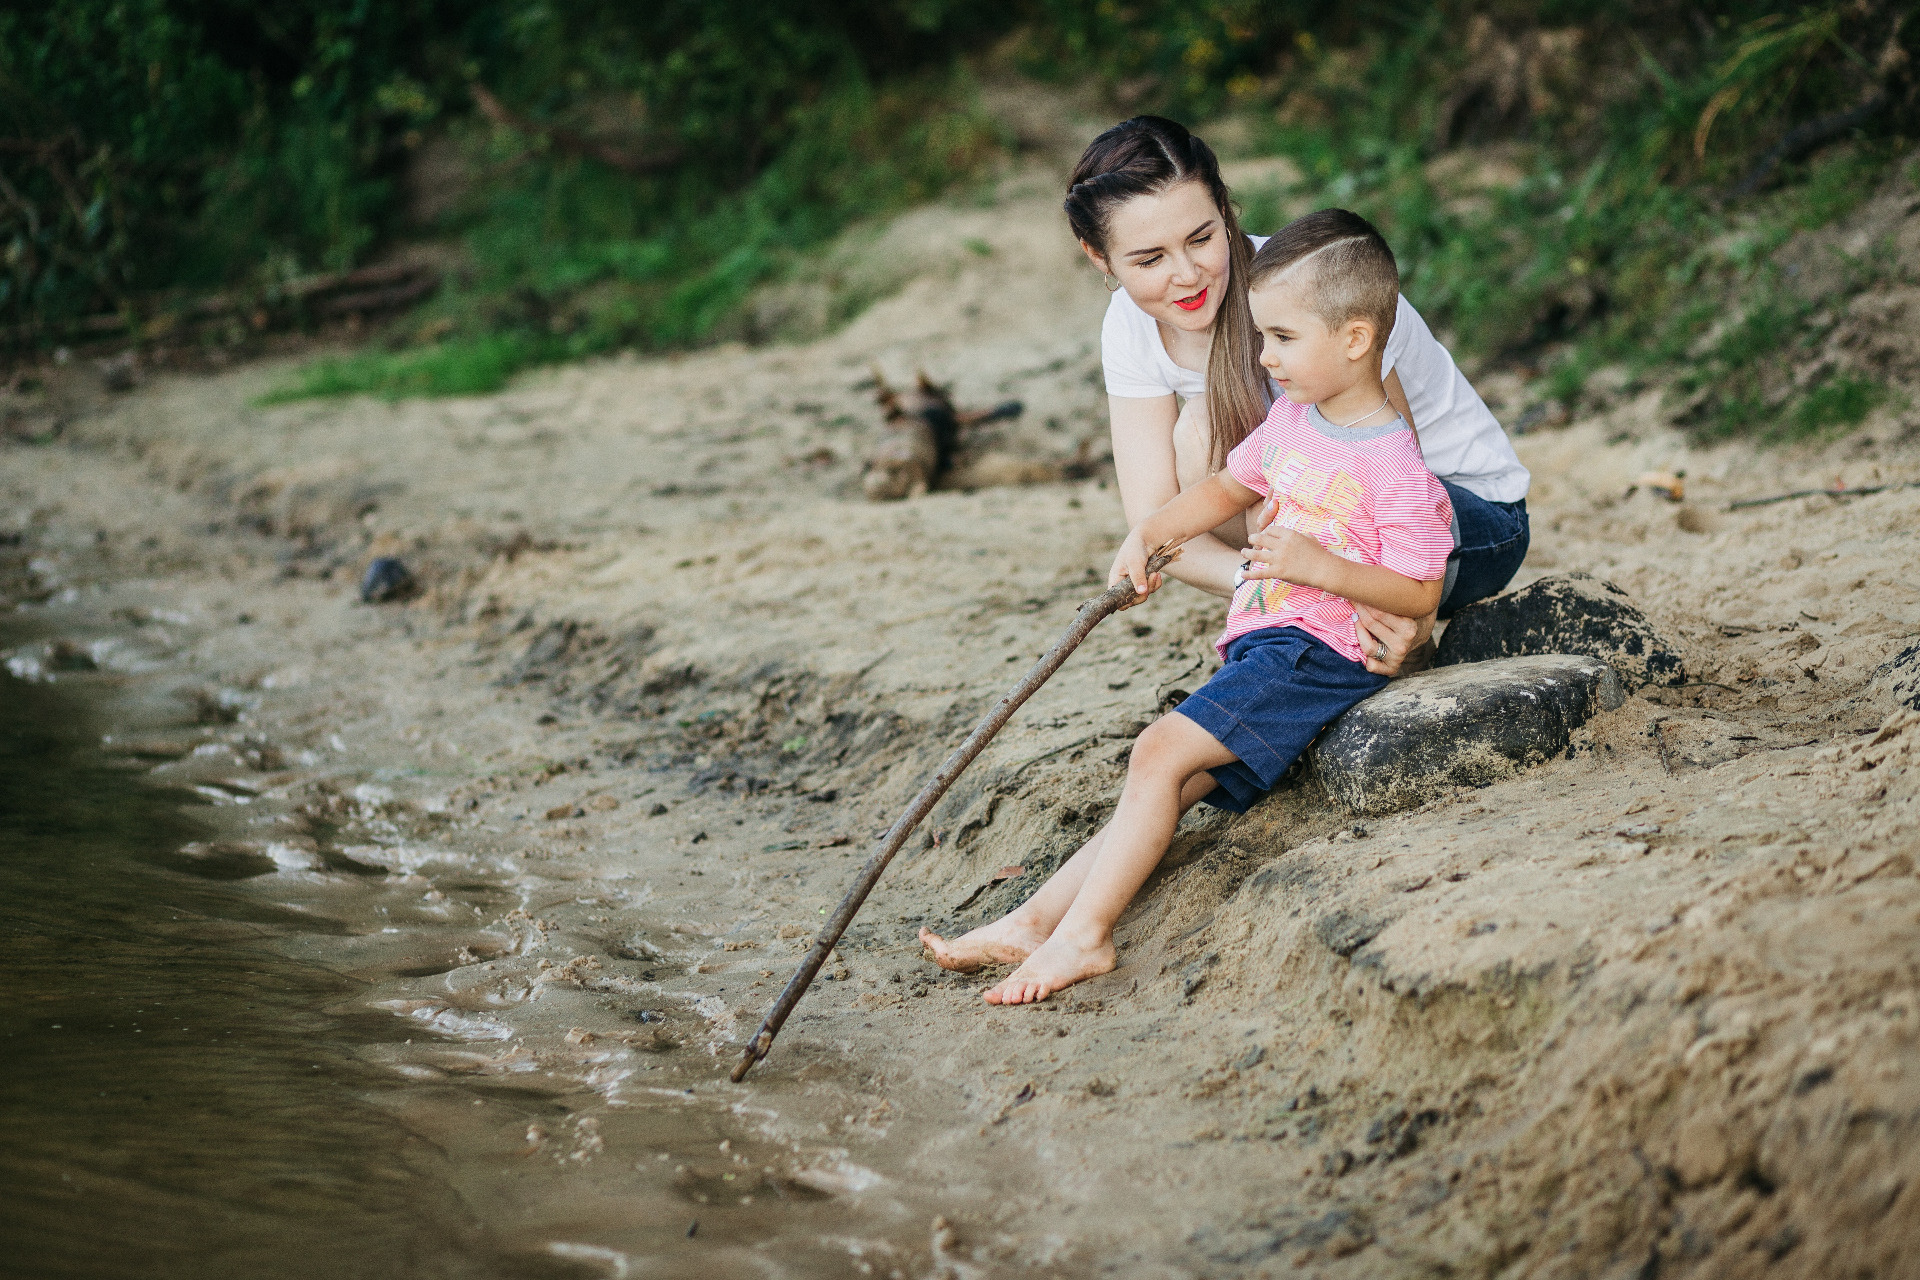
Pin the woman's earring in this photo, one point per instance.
(1113, 281)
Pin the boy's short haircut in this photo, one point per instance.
(1350, 271)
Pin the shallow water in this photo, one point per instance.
(173, 1100)
(198, 1078)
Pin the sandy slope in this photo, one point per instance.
(1519, 1031)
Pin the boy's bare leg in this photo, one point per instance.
(1168, 761)
(1015, 936)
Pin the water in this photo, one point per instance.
(172, 1101)
(195, 1079)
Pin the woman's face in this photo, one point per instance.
(1169, 252)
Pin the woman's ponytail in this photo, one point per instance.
(1239, 390)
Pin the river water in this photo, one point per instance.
(195, 1080)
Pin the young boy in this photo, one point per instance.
(1351, 515)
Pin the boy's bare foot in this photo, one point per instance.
(1057, 964)
(1003, 942)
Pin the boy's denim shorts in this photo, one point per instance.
(1279, 688)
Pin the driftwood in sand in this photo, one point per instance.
(333, 295)
(1108, 602)
(921, 437)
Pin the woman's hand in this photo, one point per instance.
(1131, 564)
(1389, 641)
(1285, 554)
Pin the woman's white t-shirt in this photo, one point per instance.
(1461, 439)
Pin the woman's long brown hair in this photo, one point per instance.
(1147, 155)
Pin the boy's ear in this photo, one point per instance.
(1098, 259)
(1359, 338)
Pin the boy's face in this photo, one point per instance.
(1310, 361)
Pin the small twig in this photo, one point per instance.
(1048, 755)
(1818, 493)
(1108, 602)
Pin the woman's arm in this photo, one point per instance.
(1143, 453)
(1382, 631)
(1148, 471)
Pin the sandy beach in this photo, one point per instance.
(1650, 1009)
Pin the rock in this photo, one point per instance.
(1460, 726)
(1900, 677)
(386, 579)
(226, 860)
(64, 655)
(1700, 1151)
(121, 372)
(1564, 613)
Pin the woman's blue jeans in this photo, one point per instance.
(1492, 543)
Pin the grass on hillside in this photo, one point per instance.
(1606, 245)
(1573, 272)
(563, 265)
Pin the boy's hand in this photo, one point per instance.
(1131, 564)
(1284, 554)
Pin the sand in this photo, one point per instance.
(1649, 1010)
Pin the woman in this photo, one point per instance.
(1151, 212)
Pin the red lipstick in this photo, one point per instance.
(1194, 303)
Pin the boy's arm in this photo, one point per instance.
(1294, 557)
(1194, 512)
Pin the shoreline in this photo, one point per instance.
(1490, 1032)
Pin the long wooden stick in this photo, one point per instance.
(1091, 613)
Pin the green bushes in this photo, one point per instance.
(619, 175)
(1635, 230)
(157, 144)
(565, 265)
(183, 144)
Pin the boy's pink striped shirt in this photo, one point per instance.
(1363, 493)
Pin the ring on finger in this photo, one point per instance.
(1379, 650)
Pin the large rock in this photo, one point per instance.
(1460, 726)
(1899, 677)
(1564, 613)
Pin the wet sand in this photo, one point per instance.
(670, 676)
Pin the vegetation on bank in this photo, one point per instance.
(627, 176)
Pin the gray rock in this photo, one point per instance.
(1459, 726)
(1900, 677)
(1564, 613)
(386, 579)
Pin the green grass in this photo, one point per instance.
(1840, 402)
(463, 367)
(566, 264)
(1575, 270)
(1614, 248)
